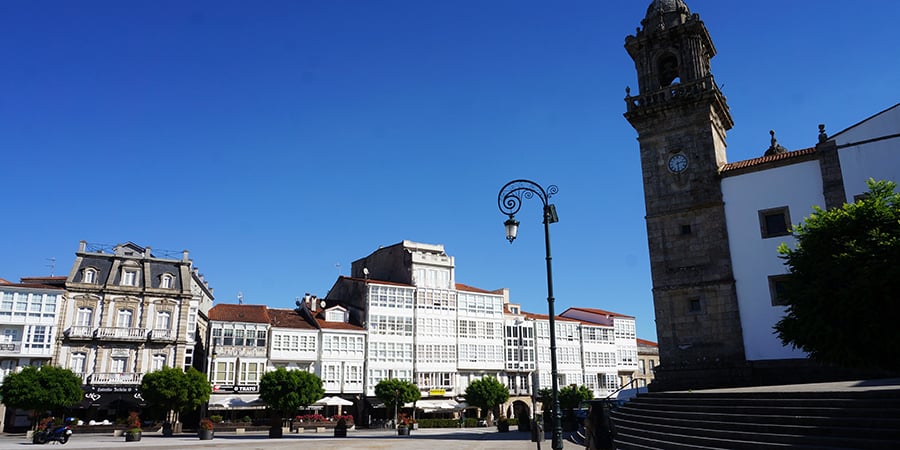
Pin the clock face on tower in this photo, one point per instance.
(678, 163)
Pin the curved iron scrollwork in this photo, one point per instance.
(512, 193)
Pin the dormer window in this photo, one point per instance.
(89, 275)
(165, 281)
(335, 315)
(514, 309)
(129, 277)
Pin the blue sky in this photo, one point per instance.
(279, 141)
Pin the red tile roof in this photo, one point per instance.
(239, 313)
(464, 287)
(338, 325)
(766, 159)
(534, 316)
(2, 281)
(600, 312)
(288, 318)
(647, 343)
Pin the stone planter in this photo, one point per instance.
(402, 431)
(132, 436)
(206, 435)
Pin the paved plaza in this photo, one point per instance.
(436, 438)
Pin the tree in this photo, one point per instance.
(287, 390)
(394, 393)
(571, 396)
(487, 393)
(841, 291)
(173, 390)
(39, 390)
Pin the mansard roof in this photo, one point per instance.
(239, 313)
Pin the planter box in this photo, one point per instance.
(206, 435)
(132, 436)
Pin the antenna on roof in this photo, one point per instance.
(338, 265)
(52, 265)
(240, 298)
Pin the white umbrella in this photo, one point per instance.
(333, 401)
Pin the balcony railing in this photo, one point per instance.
(162, 335)
(80, 332)
(116, 378)
(123, 334)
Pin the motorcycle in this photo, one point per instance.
(57, 433)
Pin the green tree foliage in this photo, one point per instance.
(487, 393)
(287, 390)
(392, 390)
(841, 294)
(46, 389)
(572, 396)
(173, 390)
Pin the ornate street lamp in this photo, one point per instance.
(510, 201)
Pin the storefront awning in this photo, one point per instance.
(446, 404)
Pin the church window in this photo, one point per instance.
(777, 284)
(686, 229)
(694, 305)
(774, 222)
(667, 67)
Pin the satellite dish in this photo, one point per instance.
(366, 272)
(322, 303)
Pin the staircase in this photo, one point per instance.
(756, 418)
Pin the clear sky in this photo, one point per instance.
(278, 141)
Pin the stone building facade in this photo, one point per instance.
(713, 262)
(128, 312)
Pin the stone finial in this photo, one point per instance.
(822, 135)
(775, 148)
(628, 91)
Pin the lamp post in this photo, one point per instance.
(510, 201)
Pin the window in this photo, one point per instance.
(76, 362)
(642, 367)
(165, 281)
(163, 320)
(775, 222)
(694, 305)
(38, 337)
(117, 365)
(777, 285)
(123, 319)
(250, 372)
(188, 358)
(90, 275)
(84, 317)
(159, 361)
(129, 277)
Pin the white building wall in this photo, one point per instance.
(391, 325)
(879, 159)
(754, 259)
(342, 361)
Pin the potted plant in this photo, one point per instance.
(133, 432)
(206, 429)
(404, 425)
(503, 424)
(340, 428)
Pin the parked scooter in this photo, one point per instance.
(57, 433)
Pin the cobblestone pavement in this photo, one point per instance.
(437, 439)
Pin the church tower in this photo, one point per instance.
(681, 119)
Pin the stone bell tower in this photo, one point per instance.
(681, 119)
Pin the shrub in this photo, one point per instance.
(246, 419)
(216, 418)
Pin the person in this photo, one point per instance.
(462, 419)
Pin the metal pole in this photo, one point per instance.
(557, 443)
(510, 201)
